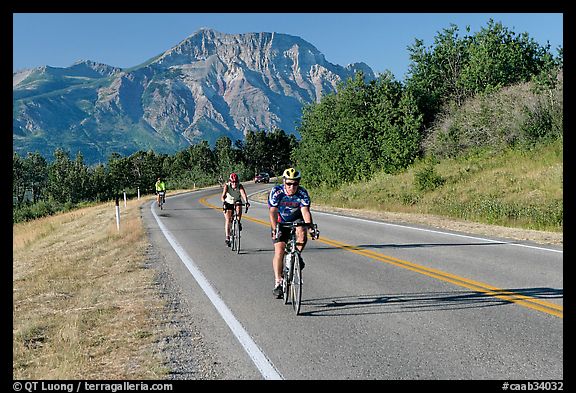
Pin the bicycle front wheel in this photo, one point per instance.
(236, 238)
(233, 236)
(288, 273)
(296, 286)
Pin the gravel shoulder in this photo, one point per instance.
(184, 346)
(186, 352)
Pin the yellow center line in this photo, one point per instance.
(509, 296)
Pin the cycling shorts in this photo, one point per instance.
(285, 233)
(228, 206)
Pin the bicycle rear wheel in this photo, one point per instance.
(237, 237)
(296, 286)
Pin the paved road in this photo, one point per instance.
(380, 300)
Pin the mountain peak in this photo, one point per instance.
(211, 84)
(207, 42)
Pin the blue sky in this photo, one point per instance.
(128, 39)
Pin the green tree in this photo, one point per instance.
(498, 57)
(119, 173)
(361, 129)
(203, 164)
(59, 177)
(145, 169)
(79, 180)
(36, 168)
(256, 151)
(100, 184)
(316, 154)
(227, 157)
(397, 123)
(456, 68)
(268, 151)
(280, 150)
(19, 178)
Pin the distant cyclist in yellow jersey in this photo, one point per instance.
(160, 186)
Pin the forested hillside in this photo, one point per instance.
(490, 95)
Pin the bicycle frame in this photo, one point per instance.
(235, 228)
(292, 283)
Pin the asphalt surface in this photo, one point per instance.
(381, 301)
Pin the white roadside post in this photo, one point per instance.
(138, 193)
(117, 214)
(124, 198)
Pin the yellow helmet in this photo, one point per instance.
(291, 174)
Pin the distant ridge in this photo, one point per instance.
(209, 85)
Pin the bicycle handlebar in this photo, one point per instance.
(243, 204)
(295, 224)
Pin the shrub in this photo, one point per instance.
(31, 211)
(427, 179)
(515, 115)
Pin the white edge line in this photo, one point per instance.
(433, 231)
(260, 360)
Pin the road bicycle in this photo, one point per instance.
(162, 197)
(292, 282)
(236, 228)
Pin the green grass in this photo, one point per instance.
(514, 188)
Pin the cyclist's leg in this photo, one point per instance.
(227, 222)
(277, 263)
(239, 213)
(277, 267)
(301, 240)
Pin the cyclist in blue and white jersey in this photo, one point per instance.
(288, 202)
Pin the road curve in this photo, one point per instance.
(380, 301)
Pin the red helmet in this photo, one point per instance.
(233, 177)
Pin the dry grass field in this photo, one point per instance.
(83, 302)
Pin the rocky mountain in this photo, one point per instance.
(209, 85)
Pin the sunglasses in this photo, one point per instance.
(291, 184)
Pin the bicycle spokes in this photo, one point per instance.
(237, 237)
(296, 286)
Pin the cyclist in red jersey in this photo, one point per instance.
(232, 192)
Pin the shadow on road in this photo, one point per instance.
(416, 302)
(416, 245)
(407, 245)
